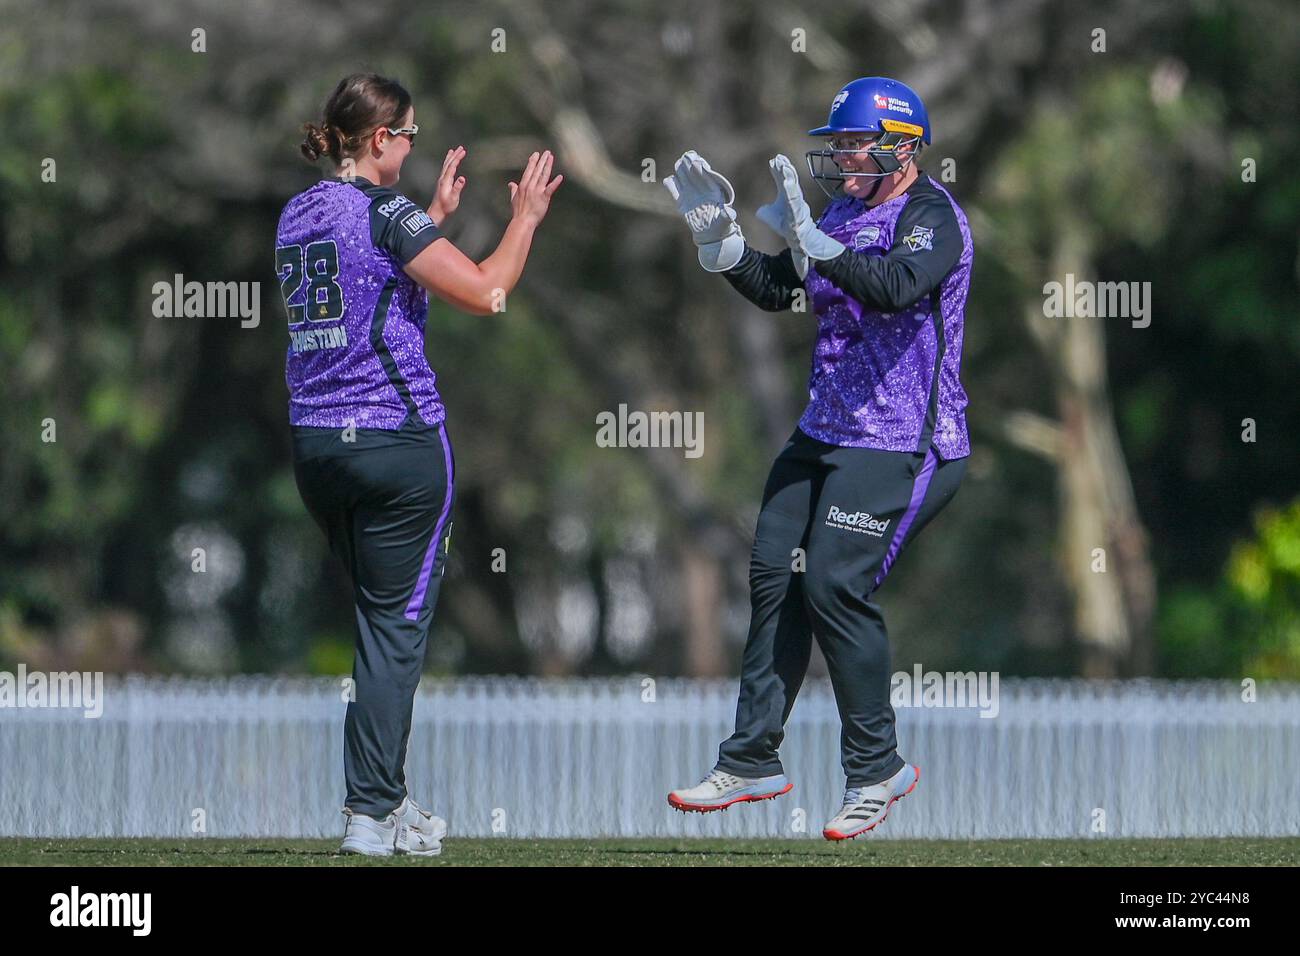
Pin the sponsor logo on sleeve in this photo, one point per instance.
(416, 221)
(397, 204)
(921, 237)
(865, 236)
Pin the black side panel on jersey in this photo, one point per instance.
(927, 244)
(381, 349)
(940, 348)
(397, 225)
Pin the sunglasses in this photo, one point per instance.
(852, 144)
(408, 130)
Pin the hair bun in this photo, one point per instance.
(361, 103)
(317, 142)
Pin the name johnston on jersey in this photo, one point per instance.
(308, 340)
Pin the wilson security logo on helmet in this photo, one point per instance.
(889, 115)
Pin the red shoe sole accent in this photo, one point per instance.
(836, 836)
(685, 807)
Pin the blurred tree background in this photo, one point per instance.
(1162, 149)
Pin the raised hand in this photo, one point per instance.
(446, 197)
(788, 214)
(530, 198)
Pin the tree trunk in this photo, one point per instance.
(1104, 545)
(702, 599)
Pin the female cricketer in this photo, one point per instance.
(356, 260)
(880, 449)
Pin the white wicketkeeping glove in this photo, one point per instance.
(705, 198)
(789, 215)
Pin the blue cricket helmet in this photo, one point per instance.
(893, 116)
(877, 104)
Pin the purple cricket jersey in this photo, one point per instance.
(356, 320)
(882, 377)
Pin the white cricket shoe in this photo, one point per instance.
(423, 832)
(865, 807)
(719, 790)
(370, 837)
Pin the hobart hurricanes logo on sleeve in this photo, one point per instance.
(921, 237)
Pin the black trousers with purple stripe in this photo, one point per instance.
(384, 500)
(833, 522)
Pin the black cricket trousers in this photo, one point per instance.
(384, 500)
(832, 524)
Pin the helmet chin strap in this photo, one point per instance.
(880, 181)
(877, 182)
(886, 177)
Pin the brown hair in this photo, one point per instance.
(359, 105)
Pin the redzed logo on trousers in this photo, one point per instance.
(862, 522)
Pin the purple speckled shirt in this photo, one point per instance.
(356, 319)
(875, 382)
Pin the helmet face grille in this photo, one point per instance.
(824, 164)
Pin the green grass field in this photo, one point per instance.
(664, 852)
